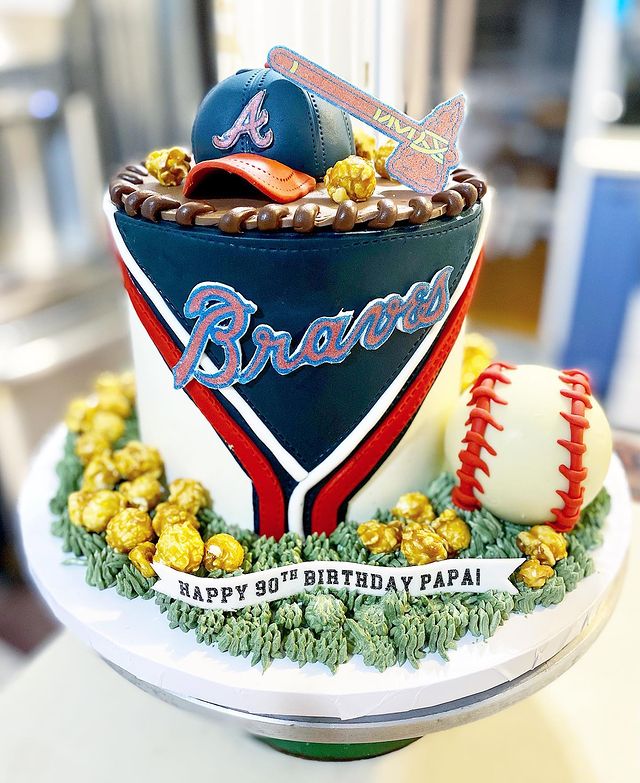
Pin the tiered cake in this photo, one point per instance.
(279, 485)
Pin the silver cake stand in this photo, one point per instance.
(328, 738)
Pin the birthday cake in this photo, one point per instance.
(317, 463)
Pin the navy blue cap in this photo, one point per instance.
(261, 112)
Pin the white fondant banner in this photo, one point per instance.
(234, 592)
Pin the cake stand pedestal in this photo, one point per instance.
(356, 713)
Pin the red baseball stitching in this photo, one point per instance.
(579, 393)
(483, 394)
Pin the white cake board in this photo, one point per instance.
(404, 725)
(136, 639)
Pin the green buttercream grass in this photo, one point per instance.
(328, 626)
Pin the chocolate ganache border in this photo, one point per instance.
(139, 194)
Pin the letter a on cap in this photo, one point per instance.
(250, 121)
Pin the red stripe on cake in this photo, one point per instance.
(271, 505)
(578, 391)
(365, 459)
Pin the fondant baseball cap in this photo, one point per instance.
(238, 175)
(262, 113)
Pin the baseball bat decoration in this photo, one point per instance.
(528, 443)
(426, 151)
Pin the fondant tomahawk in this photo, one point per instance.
(426, 151)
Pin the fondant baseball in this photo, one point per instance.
(530, 444)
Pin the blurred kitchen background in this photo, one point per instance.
(554, 123)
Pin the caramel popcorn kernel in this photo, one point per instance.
(168, 166)
(75, 506)
(136, 459)
(100, 473)
(89, 445)
(223, 551)
(128, 528)
(534, 573)
(381, 156)
(478, 355)
(123, 383)
(180, 547)
(172, 514)
(365, 144)
(454, 530)
(142, 557)
(128, 385)
(421, 545)
(397, 525)
(101, 507)
(414, 525)
(352, 178)
(108, 424)
(114, 401)
(557, 542)
(380, 538)
(144, 492)
(414, 506)
(543, 543)
(189, 494)
(78, 413)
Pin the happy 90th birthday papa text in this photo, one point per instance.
(445, 579)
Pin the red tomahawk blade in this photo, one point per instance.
(426, 151)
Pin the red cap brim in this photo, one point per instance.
(275, 180)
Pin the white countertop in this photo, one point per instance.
(68, 717)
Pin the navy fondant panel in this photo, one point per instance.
(294, 279)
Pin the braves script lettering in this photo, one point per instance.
(250, 121)
(224, 316)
